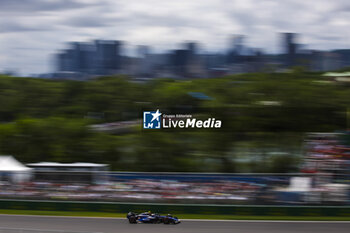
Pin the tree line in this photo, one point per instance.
(265, 117)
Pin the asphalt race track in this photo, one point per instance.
(110, 225)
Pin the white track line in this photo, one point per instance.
(262, 221)
(187, 220)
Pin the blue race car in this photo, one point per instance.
(149, 217)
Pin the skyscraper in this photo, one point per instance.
(289, 49)
(77, 58)
(108, 56)
(236, 49)
(238, 44)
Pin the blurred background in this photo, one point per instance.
(76, 76)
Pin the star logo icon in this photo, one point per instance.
(151, 120)
(156, 115)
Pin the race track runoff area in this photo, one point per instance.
(41, 224)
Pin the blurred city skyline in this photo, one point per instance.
(85, 60)
(32, 31)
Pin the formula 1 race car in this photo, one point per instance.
(148, 217)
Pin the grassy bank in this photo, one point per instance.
(181, 216)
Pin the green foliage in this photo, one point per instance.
(46, 120)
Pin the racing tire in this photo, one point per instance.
(132, 220)
(166, 221)
(169, 221)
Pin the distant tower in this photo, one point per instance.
(108, 56)
(185, 60)
(77, 58)
(191, 47)
(236, 49)
(238, 44)
(289, 48)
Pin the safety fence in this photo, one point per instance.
(124, 207)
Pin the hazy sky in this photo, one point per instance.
(31, 31)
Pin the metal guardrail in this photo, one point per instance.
(26, 230)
